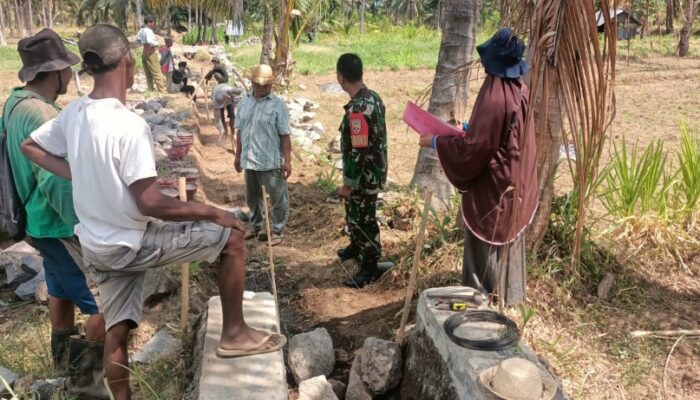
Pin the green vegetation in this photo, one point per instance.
(385, 48)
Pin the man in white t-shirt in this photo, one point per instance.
(150, 58)
(107, 151)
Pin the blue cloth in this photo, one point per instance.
(502, 55)
(261, 123)
(64, 278)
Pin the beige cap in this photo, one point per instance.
(261, 74)
(106, 41)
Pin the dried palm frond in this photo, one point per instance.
(569, 55)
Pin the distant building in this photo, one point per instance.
(627, 24)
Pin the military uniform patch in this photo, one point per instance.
(359, 131)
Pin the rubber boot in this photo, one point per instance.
(85, 370)
(348, 253)
(59, 349)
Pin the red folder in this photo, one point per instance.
(426, 123)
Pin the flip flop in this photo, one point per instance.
(259, 349)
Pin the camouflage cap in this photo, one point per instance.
(105, 41)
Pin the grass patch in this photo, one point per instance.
(25, 347)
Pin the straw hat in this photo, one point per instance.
(519, 379)
(261, 74)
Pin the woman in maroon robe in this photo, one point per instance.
(493, 167)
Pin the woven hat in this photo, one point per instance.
(519, 379)
(105, 41)
(502, 55)
(43, 52)
(262, 74)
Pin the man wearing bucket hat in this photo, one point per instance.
(48, 200)
(263, 151)
(127, 226)
(492, 166)
(150, 59)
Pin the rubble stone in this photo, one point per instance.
(162, 344)
(381, 365)
(339, 388)
(356, 388)
(317, 388)
(27, 290)
(311, 354)
(159, 282)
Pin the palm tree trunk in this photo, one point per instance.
(362, 17)
(669, 16)
(30, 17)
(268, 28)
(213, 30)
(21, 29)
(684, 43)
(50, 13)
(139, 13)
(168, 20)
(2, 26)
(282, 53)
(450, 89)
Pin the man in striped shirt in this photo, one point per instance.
(263, 151)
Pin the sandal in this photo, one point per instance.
(261, 348)
(275, 238)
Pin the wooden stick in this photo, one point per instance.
(184, 269)
(240, 79)
(671, 334)
(272, 261)
(414, 268)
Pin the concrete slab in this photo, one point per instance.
(259, 377)
(437, 368)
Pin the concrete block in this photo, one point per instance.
(258, 377)
(437, 368)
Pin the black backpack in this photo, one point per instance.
(13, 216)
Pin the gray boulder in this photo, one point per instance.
(356, 388)
(14, 273)
(381, 365)
(22, 247)
(159, 282)
(311, 354)
(316, 388)
(32, 264)
(162, 344)
(27, 290)
(155, 119)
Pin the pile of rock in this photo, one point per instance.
(250, 41)
(170, 139)
(305, 132)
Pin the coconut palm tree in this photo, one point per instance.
(449, 89)
(689, 15)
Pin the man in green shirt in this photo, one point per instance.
(49, 201)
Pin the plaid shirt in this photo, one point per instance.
(261, 122)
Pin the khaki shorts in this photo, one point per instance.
(120, 274)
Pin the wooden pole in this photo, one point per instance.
(241, 80)
(414, 268)
(272, 261)
(669, 334)
(185, 270)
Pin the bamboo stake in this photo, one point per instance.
(184, 269)
(272, 261)
(670, 334)
(247, 89)
(414, 268)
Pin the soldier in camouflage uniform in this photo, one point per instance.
(364, 148)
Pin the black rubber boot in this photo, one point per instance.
(59, 349)
(349, 253)
(85, 371)
(368, 273)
